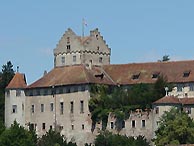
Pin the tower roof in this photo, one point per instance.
(18, 81)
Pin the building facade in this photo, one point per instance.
(59, 100)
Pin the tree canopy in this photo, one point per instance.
(6, 75)
(17, 135)
(175, 127)
(120, 101)
(108, 139)
(54, 138)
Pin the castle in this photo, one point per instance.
(59, 99)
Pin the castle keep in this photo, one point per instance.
(59, 99)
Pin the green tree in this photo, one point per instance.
(108, 139)
(175, 127)
(165, 58)
(16, 135)
(53, 138)
(5, 77)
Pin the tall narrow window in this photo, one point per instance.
(42, 107)
(72, 127)
(18, 92)
(71, 107)
(143, 123)
(111, 125)
(68, 48)
(133, 123)
(63, 60)
(43, 126)
(14, 108)
(32, 108)
(81, 106)
(61, 108)
(74, 58)
(51, 107)
(100, 59)
(157, 110)
(82, 126)
(8, 93)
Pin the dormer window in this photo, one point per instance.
(186, 74)
(135, 76)
(155, 75)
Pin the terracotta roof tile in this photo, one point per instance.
(168, 100)
(175, 100)
(69, 75)
(122, 74)
(18, 81)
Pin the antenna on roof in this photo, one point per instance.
(83, 25)
(17, 68)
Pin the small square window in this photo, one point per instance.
(186, 74)
(18, 92)
(136, 76)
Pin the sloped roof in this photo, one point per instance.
(175, 100)
(18, 81)
(122, 73)
(69, 75)
(168, 100)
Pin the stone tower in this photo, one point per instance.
(88, 50)
(15, 100)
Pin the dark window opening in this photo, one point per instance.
(111, 125)
(136, 76)
(81, 106)
(143, 123)
(155, 75)
(68, 48)
(43, 126)
(71, 107)
(186, 74)
(133, 123)
(82, 126)
(61, 108)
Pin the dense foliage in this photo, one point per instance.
(16, 135)
(175, 127)
(120, 101)
(6, 75)
(108, 139)
(53, 138)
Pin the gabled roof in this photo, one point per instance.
(122, 73)
(18, 81)
(71, 75)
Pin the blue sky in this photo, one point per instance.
(135, 30)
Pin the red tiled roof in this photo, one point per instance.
(122, 74)
(168, 100)
(18, 81)
(69, 75)
(175, 100)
